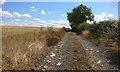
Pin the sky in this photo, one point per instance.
(51, 14)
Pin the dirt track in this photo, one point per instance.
(63, 56)
(73, 52)
(59, 58)
(99, 58)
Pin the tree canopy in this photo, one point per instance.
(79, 15)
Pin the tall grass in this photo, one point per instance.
(24, 47)
(53, 37)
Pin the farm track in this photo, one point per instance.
(62, 55)
(73, 52)
(59, 58)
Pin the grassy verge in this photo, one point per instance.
(111, 48)
(80, 57)
(108, 46)
(24, 47)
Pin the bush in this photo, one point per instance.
(101, 28)
(116, 31)
(83, 26)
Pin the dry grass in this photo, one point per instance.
(24, 47)
(86, 34)
(110, 47)
(105, 43)
(81, 59)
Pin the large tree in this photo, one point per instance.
(79, 15)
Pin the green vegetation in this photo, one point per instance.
(79, 15)
(107, 34)
(83, 26)
(109, 29)
(104, 33)
(102, 28)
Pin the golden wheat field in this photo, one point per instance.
(24, 47)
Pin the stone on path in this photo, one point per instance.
(99, 61)
(52, 54)
(45, 67)
(48, 61)
(58, 64)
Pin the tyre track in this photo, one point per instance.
(59, 58)
(100, 62)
